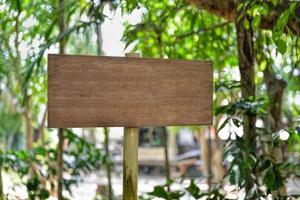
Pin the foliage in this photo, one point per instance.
(183, 32)
(37, 168)
(251, 166)
(192, 190)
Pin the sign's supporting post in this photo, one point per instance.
(130, 158)
(130, 163)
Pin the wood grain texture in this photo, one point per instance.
(95, 91)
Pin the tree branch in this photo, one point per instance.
(226, 10)
(202, 30)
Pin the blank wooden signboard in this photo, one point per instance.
(95, 91)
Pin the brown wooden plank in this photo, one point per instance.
(95, 91)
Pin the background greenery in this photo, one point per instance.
(264, 99)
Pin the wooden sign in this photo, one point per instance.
(94, 91)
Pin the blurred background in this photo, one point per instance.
(250, 152)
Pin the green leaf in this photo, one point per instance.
(246, 23)
(274, 2)
(237, 122)
(240, 7)
(44, 194)
(159, 191)
(223, 124)
(176, 195)
(269, 178)
(232, 177)
(33, 184)
(169, 182)
(194, 190)
(263, 65)
(256, 21)
(276, 34)
(292, 8)
(264, 9)
(281, 46)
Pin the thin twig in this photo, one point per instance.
(202, 30)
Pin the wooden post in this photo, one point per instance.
(130, 163)
(130, 158)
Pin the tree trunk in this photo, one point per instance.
(108, 164)
(90, 137)
(275, 88)
(17, 67)
(209, 159)
(60, 149)
(99, 39)
(167, 164)
(42, 127)
(61, 25)
(1, 186)
(273, 121)
(217, 166)
(218, 152)
(60, 163)
(28, 129)
(219, 171)
(246, 68)
(205, 154)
